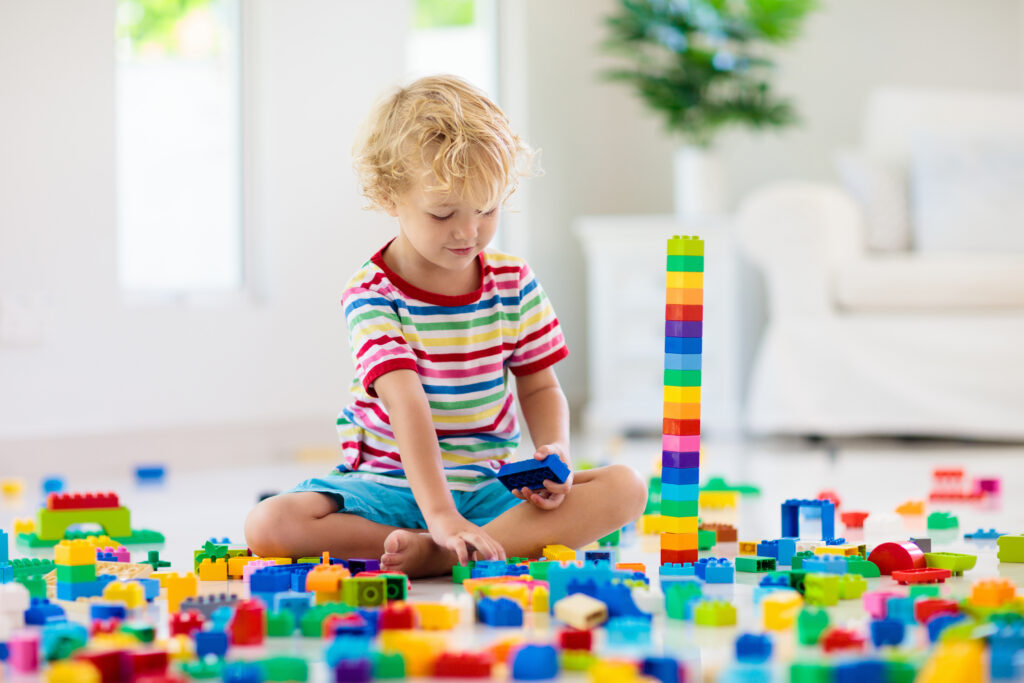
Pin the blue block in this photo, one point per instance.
(863, 671)
(762, 591)
(825, 564)
(242, 672)
(682, 361)
(1005, 648)
(210, 643)
(108, 610)
(752, 648)
(901, 609)
(41, 611)
(768, 549)
(680, 475)
(6, 572)
(150, 473)
(887, 632)
(674, 570)
(597, 556)
(5, 552)
(532, 472)
(718, 570)
(294, 602)
(61, 638)
(791, 516)
(679, 491)
(684, 345)
(940, 622)
(628, 631)
(982, 534)
(348, 647)
(786, 549)
(82, 589)
(535, 663)
(664, 669)
(52, 484)
(150, 588)
(499, 612)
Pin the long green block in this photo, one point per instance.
(76, 574)
(53, 523)
(682, 378)
(685, 264)
(754, 564)
(137, 536)
(1011, 548)
(679, 508)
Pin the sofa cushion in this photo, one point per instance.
(930, 283)
(880, 188)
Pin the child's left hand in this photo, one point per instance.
(553, 493)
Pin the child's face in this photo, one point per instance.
(444, 228)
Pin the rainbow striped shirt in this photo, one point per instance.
(462, 347)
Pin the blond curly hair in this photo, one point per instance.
(444, 125)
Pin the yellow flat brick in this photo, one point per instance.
(845, 550)
(747, 548)
(558, 552)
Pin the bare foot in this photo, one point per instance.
(415, 554)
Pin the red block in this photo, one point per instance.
(82, 501)
(683, 312)
(895, 556)
(184, 623)
(143, 664)
(926, 609)
(837, 639)
(249, 624)
(574, 639)
(830, 495)
(397, 615)
(104, 626)
(854, 519)
(921, 575)
(463, 665)
(680, 556)
(680, 427)
(107, 663)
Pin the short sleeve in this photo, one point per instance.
(375, 335)
(540, 342)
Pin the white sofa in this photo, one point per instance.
(869, 335)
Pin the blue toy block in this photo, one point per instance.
(674, 570)
(679, 491)
(718, 570)
(752, 648)
(150, 588)
(6, 572)
(628, 631)
(81, 589)
(150, 474)
(5, 552)
(680, 475)
(664, 669)
(940, 622)
(347, 647)
(835, 541)
(52, 484)
(861, 671)
(61, 638)
(499, 612)
(768, 549)
(1005, 646)
(619, 599)
(982, 534)
(597, 556)
(221, 617)
(825, 564)
(786, 549)
(295, 602)
(560, 575)
(41, 611)
(887, 632)
(107, 610)
(211, 643)
(242, 672)
(901, 609)
(532, 473)
(535, 663)
(682, 361)
(684, 345)
(777, 579)
(791, 516)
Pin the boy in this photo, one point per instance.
(435, 325)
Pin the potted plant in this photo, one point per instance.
(704, 65)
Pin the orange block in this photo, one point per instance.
(681, 411)
(632, 566)
(993, 592)
(679, 541)
(684, 296)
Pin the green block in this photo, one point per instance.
(719, 484)
(810, 672)
(461, 572)
(821, 589)
(852, 586)
(1011, 548)
(539, 569)
(862, 567)
(283, 668)
(76, 574)
(31, 567)
(900, 672)
(956, 563)
(311, 623)
(714, 613)
(706, 539)
(142, 631)
(798, 559)
(35, 585)
(678, 595)
(280, 624)
(577, 660)
(810, 624)
(685, 264)
(682, 378)
(364, 591)
(308, 560)
(52, 524)
(754, 564)
(396, 586)
(924, 591)
(685, 245)
(388, 666)
(680, 508)
(203, 669)
(611, 539)
(943, 520)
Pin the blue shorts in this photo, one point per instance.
(396, 506)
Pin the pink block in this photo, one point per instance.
(250, 567)
(680, 444)
(876, 603)
(23, 652)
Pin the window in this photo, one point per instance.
(455, 37)
(179, 174)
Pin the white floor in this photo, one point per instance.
(194, 505)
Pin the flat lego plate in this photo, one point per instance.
(532, 473)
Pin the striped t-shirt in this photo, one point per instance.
(462, 347)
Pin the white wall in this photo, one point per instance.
(316, 65)
(604, 153)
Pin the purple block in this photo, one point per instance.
(681, 460)
(684, 328)
(353, 671)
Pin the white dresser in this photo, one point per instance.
(626, 259)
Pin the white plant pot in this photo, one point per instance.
(698, 183)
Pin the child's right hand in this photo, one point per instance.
(468, 541)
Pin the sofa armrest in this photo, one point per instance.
(797, 234)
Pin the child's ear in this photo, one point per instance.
(391, 208)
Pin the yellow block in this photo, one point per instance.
(678, 525)
(558, 552)
(682, 395)
(780, 610)
(178, 588)
(131, 594)
(236, 565)
(72, 672)
(179, 648)
(747, 548)
(74, 553)
(718, 500)
(614, 671)
(670, 541)
(25, 525)
(215, 570)
(540, 599)
(846, 550)
(436, 616)
(649, 524)
(954, 662)
(12, 486)
(419, 649)
(686, 280)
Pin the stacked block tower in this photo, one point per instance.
(680, 441)
(76, 570)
